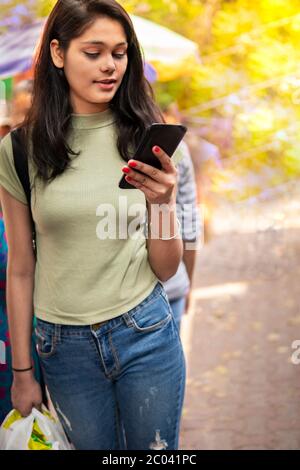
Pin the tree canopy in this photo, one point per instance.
(248, 79)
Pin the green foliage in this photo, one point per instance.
(249, 76)
(14, 12)
(44, 7)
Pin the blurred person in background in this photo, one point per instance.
(179, 286)
(5, 127)
(21, 102)
(207, 162)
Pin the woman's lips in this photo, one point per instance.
(105, 86)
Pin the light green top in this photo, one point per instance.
(81, 278)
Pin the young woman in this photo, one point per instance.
(110, 350)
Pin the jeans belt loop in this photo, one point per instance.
(96, 326)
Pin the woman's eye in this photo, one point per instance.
(120, 56)
(91, 55)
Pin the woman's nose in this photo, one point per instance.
(108, 64)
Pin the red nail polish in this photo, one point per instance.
(156, 149)
(132, 164)
(125, 170)
(128, 178)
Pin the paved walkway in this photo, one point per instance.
(243, 390)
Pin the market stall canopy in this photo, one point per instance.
(17, 49)
(170, 53)
(166, 52)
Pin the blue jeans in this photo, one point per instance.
(177, 306)
(119, 385)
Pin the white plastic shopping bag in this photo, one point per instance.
(38, 431)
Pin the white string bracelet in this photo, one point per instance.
(167, 238)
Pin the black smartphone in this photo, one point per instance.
(166, 136)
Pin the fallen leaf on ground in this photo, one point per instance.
(273, 337)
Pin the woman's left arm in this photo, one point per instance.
(159, 187)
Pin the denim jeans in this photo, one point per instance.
(121, 385)
(177, 306)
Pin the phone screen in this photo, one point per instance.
(166, 136)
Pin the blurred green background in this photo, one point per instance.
(242, 96)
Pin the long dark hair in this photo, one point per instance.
(47, 123)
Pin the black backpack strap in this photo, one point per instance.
(21, 162)
(21, 165)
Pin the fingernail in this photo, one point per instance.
(128, 178)
(132, 164)
(125, 170)
(156, 149)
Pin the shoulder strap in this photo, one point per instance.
(21, 162)
(21, 165)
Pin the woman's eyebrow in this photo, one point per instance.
(104, 44)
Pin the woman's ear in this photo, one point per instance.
(56, 54)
